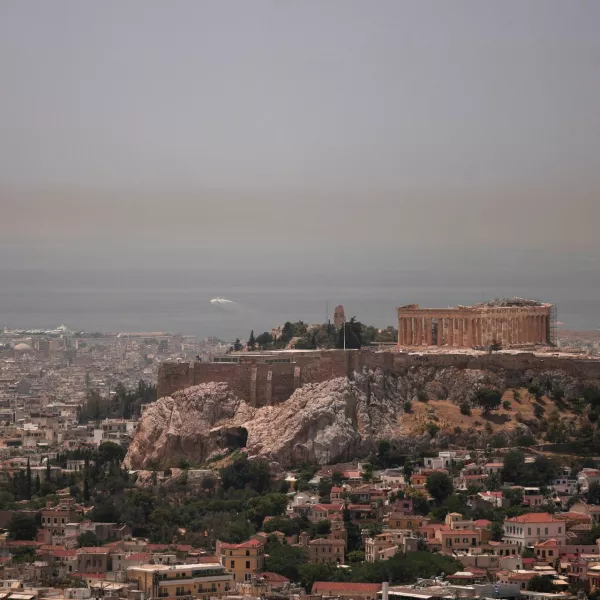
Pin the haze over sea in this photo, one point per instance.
(179, 300)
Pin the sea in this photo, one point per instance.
(179, 301)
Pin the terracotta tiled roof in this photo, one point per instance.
(144, 556)
(547, 544)
(274, 577)
(482, 523)
(534, 518)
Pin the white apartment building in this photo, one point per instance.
(528, 529)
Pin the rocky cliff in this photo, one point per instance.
(339, 419)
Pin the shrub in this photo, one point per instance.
(538, 411)
(465, 408)
(422, 396)
(408, 406)
(506, 405)
(517, 396)
(432, 429)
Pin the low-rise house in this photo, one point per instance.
(365, 513)
(242, 560)
(493, 468)
(321, 512)
(590, 510)
(55, 518)
(532, 497)
(403, 521)
(547, 551)
(587, 477)
(326, 550)
(387, 544)
(520, 577)
(455, 521)
(526, 530)
(93, 560)
(461, 540)
(565, 486)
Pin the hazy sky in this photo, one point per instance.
(299, 132)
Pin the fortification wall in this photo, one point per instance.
(261, 383)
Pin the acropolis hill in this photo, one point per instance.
(319, 406)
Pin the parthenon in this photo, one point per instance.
(507, 322)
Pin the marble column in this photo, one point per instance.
(418, 331)
(544, 329)
(440, 331)
(450, 331)
(428, 336)
(461, 332)
(409, 331)
(469, 331)
(400, 336)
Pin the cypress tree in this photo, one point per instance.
(86, 490)
(28, 482)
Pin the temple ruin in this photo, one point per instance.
(513, 322)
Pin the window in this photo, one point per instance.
(247, 564)
(529, 531)
(546, 531)
(247, 552)
(233, 564)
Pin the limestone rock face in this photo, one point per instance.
(337, 420)
(183, 426)
(334, 420)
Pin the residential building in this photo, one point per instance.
(590, 510)
(242, 560)
(587, 477)
(526, 530)
(200, 580)
(55, 518)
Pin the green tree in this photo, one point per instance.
(310, 572)
(540, 583)
(285, 560)
(251, 341)
(29, 481)
(237, 345)
(488, 399)
(350, 334)
(284, 524)
(514, 466)
(22, 527)
(356, 556)
(243, 472)
(88, 539)
(440, 486)
(264, 339)
(267, 505)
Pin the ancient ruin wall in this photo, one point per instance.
(259, 383)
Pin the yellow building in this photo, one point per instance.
(177, 581)
(243, 560)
